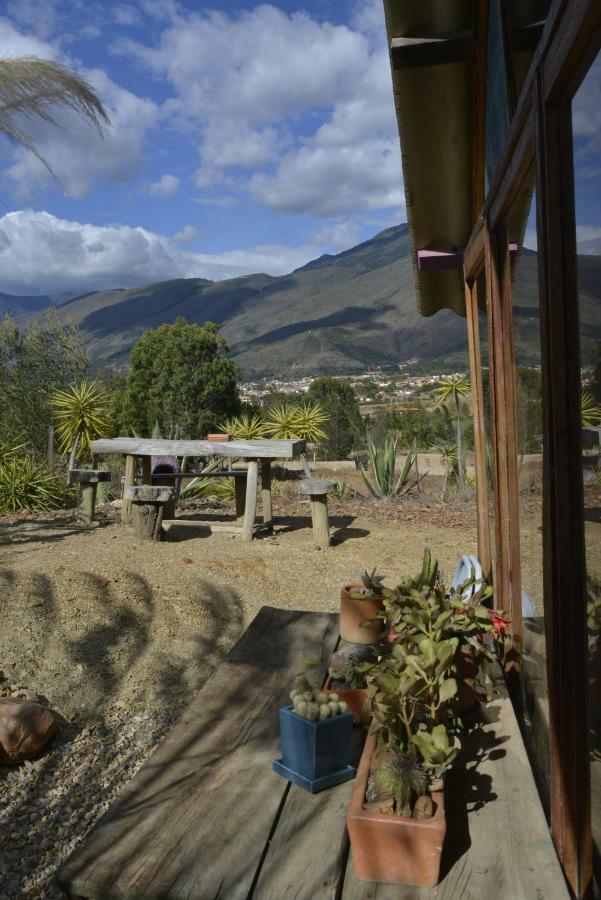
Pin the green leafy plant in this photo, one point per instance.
(448, 457)
(314, 704)
(297, 421)
(345, 672)
(82, 413)
(25, 485)
(246, 427)
(382, 462)
(453, 390)
(590, 411)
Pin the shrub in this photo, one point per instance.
(26, 485)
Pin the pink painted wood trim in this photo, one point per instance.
(439, 260)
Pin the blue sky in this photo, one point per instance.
(244, 138)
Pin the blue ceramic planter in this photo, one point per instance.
(315, 755)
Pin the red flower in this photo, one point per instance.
(499, 624)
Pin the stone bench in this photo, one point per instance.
(148, 508)
(88, 481)
(317, 490)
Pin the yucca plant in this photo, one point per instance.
(590, 411)
(25, 485)
(10, 450)
(246, 427)
(294, 422)
(448, 457)
(83, 414)
(453, 390)
(382, 462)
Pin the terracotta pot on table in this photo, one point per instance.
(353, 697)
(389, 848)
(354, 612)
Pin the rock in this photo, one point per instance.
(25, 728)
(424, 808)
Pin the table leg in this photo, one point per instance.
(250, 511)
(130, 475)
(240, 486)
(146, 470)
(266, 492)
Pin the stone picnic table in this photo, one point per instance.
(257, 454)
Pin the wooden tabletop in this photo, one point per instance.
(206, 817)
(264, 449)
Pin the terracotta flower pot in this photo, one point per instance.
(354, 612)
(353, 697)
(390, 848)
(218, 437)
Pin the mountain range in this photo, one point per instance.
(338, 314)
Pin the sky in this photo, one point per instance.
(244, 138)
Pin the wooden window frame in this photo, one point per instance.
(540, 136)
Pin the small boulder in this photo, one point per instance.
(25, 728)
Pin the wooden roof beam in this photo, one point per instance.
(411, 53)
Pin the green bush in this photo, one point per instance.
(27, 485)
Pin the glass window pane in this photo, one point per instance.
(586, 123)
(497, 92)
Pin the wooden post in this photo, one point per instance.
(250, 511)
(146, 470)
(130, 476)
(321, 525)
(87, 501)
(240, 489)
(50, 454)
(266, 492)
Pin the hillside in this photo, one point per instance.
(338, 313)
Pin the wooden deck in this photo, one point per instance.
(206, 818)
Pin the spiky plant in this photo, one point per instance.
(33, 88)
(401, 777)
(372, 582)
(10, 450)
(312, 703)
(246, 427)
(281, 423)
(590, 411)
(294, 422)
(309, 419)
(448, 457)
(26, 485)
(83, 414)
(382, 462)
(453, 390)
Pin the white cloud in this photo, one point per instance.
(40, 253)
(125, 14)
(187, 233)
(166, 186)
(277, 95)
(341, 235)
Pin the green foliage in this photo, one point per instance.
(35, 361)
(83, 414)
(436, 748)
(180, 375)
(26, 485)
(290, 422)
(246, 427)
(401, 777)
(452, 390)
(345, 672)
(590, 411)
(314, 704)
(448, 457)
(383, 481)
(422, 423)
(344, 429)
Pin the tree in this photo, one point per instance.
(31, 88)
(34, 362)
(453, 390)
(344, 428)
(83, 414)
(181, 377)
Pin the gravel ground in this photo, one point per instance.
(118, 634)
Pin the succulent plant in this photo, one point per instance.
(401, 777)
(313, 703)
(345, 672)
(436, 748)
(372, 583)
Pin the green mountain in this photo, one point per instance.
(339, 313)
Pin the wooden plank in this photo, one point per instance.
(195, 821)
(480, 437)
(411, 53)
(439, 260)
(271, 449)
(146, 470)
(266, 504)
(563, 522)
(497, 844)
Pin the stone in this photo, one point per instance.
(25, 729)
(424, 808)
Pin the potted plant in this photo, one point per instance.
(396, 818)
(348, 680)
(361, 607)
(315, 734)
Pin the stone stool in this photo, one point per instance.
(318, 491)
(147, 509)
(88, 481)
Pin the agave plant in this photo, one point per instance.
(590, 411)
(384, 481)
(26, 485)
(83, 414)
(246, 427)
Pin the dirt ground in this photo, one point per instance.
(92, 618)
